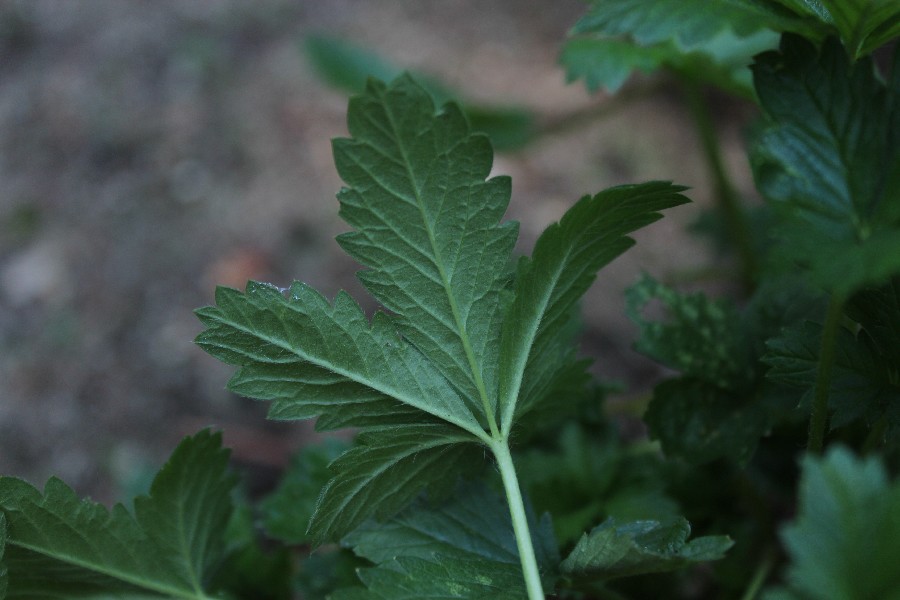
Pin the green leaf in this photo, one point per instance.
(287, 511)
(311, 356)
(845, 540)
(386, 470)
(863, 385)
(690, 23)
(721, 405)
(253, 568)
(863, 25)
(609, 62)
(611, 550)
(828, 161)
(429, 227)
(877, 310)
(348, 67)
(706, 40)
(601, 476)
(60, 546)
(4, 574)
(463, 549)
(700, 422)
(421, 379)
(564, 264)
(702, 338)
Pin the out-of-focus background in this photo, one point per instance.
(151, 150)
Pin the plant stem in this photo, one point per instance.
(759, 578)
(727, 199)
(818, 420)
(519, 520)
(876, 435)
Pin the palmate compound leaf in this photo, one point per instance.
(610, 550)
(845, 540)
(462, 549)
(829, 162)
(423, 380)
(59, 546)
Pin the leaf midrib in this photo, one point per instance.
(439, 263)
(387, 390)
(113, 573)
(519, 369)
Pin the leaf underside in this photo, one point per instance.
(462, 549)
(610, 550)
(469, 343)
(60, 546)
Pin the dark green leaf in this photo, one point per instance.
(287, 511)
(611, 550)
(608, 62)
(250, 569)
(702, 338)
(60, 546)
(463, 549)
(877, 310)
(700, 422)
(564, 264)
(4, 575)
(863, 25)
(428, 226)
(845, 540)
(601, 476)
(689, 23)
(705, 40)
(386, 470)
(828, 162)
(311, 357)
(348, 67)
(862, 385)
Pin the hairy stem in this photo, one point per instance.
(818, 420)
(726, 197)
(519, 520)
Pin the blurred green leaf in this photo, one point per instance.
(287, 511)
(612, 550)
(250, 571)
(699, 337)
(862, 386)
(347, 67)
(706, 40)
(463, 549)
(828, 161)
(845, 540)
(602, 477)
(700, 422)
(863, 25)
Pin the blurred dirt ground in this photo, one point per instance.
(150, 150)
